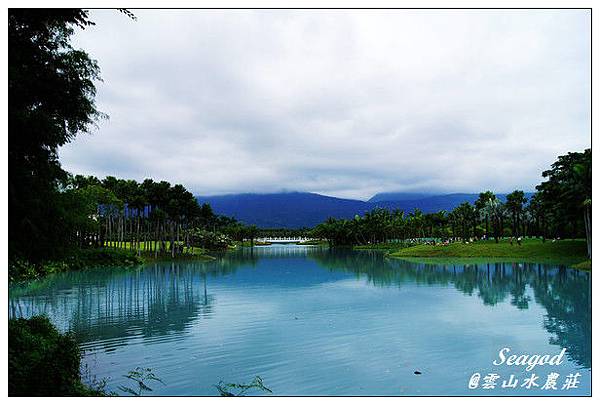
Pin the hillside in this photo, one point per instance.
(285, 210)
(298, 209)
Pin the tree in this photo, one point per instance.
(480, 205)
(51, 99)
(514, 203)
(567, 192)
(463, 216)
(494, 210)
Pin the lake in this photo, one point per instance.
(310, 321)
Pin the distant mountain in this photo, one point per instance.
(285, 210)
(436, 203)
(399, 196)
(432, 203)
(298, 210)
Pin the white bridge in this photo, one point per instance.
(291, 239)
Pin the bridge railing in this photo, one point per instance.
(283, 239)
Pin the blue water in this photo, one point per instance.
(309, 321)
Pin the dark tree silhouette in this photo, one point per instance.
(51, 100)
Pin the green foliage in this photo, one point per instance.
(77, 259)
(227, 389)
(42, 361)
(561, 208)
(210, 240)
(463, 218)
(564, 202)
(51, 100)
(585, 265)
(141, 377)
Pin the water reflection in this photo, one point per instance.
(110, 305)
(564, 293)
(161, 302)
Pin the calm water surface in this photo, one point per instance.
(314, 322)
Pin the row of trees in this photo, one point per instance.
(561, 207)
(149, 216)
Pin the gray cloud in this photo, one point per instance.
(346, 103)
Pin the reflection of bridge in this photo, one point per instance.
(291, 239)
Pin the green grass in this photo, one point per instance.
(585, 265)
(148, 255)
(389, 246)
(247, 243)
(147, 247)
(563, 251)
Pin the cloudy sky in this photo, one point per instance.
(343, 103)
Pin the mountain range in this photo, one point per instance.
(301, 209)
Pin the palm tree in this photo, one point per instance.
(464, 215)
(415, 219)
(480, 207)
(494, 210)
(514, 203)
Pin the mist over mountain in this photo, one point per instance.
(302, 209)
(399, 196)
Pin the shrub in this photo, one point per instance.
(77, 259)
(42, 361)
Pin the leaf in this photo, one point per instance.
(154, 378)
(144, 386)
(128, 390)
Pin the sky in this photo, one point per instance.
(346, 103)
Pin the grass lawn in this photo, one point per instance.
(389, 246)
(247, 243)
(563, 251)
(146, 249)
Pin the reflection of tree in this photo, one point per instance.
(109, 305)
(161, 300)
(564, 293)
(164, 299)
(567, 299)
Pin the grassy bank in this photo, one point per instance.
(247, 243)
(585, 265)
(80, 259)
(564, 251)
(389, 246)
(21, 270)
(146, 248)
(147, 255)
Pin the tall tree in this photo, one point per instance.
(464, 215)
(51, 100)
(567, 190)
(515, 202)
(480, 206)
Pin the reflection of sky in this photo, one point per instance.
(303, 328)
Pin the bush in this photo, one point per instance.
(210, 240)
(19, 270)
(42, 361)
